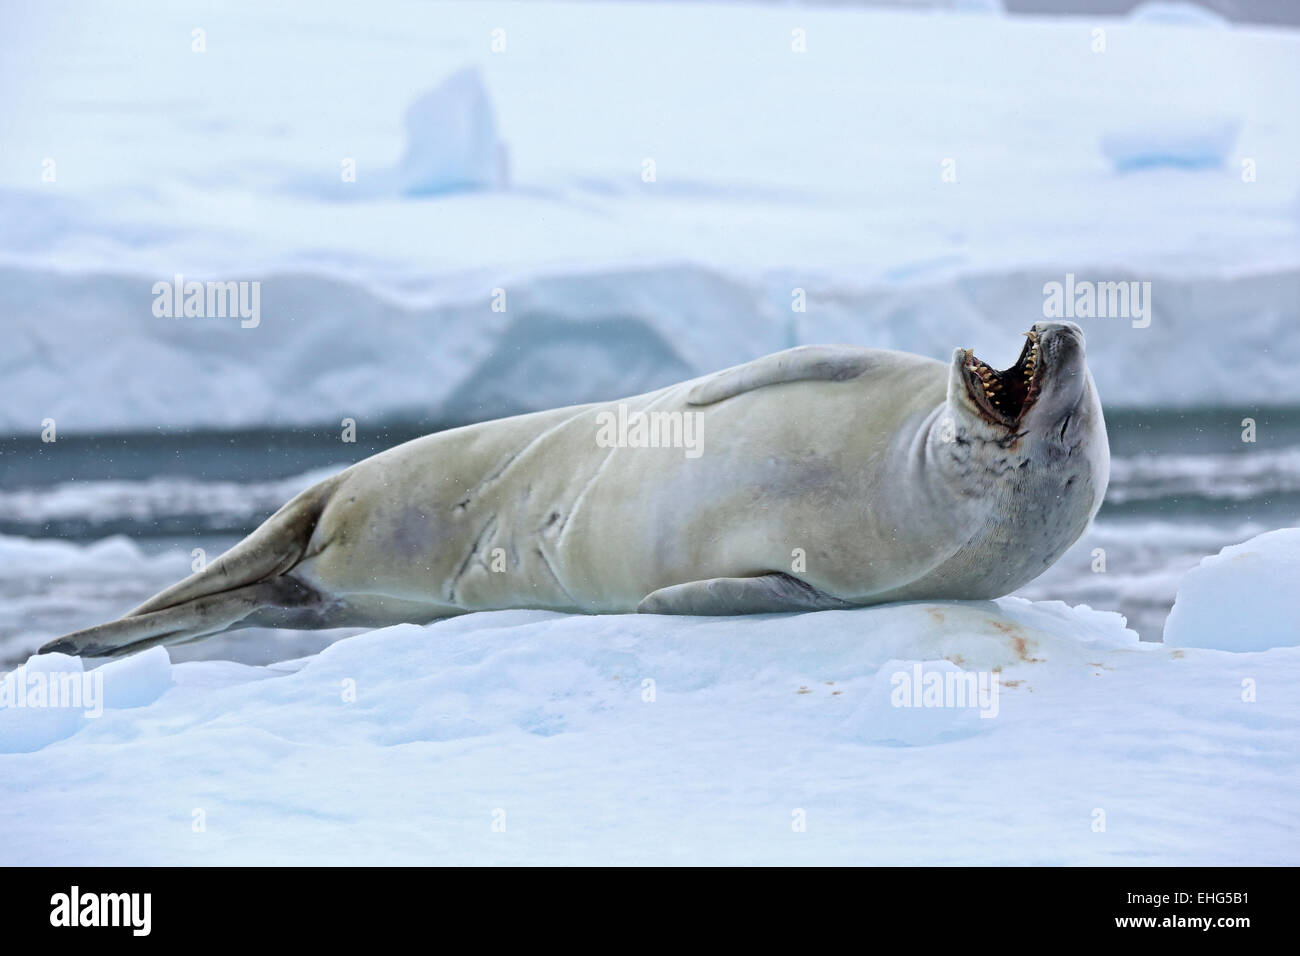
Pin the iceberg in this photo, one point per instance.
(451, 140)
(1244, 598)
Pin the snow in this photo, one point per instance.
(893, 710)
(1242, 599)
(622, 739)
(25, 727)
(33, 715)
(1181, 143)
(775, 171)
(1177, 12)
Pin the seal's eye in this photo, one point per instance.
(1005, 396)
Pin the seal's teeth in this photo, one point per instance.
(1033, 348)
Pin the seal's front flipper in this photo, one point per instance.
(765, 594)
(807, 363)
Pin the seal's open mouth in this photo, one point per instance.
(1005, 396)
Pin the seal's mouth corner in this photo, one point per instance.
(1003, 397)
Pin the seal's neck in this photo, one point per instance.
(968, 455)
(987, 496)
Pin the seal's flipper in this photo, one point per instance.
(774, 593)
(187, 621)
(277, 545)
(246, 579)
(826, 363)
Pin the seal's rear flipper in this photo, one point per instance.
(245, 580)
(188, 621)
(773, 593)
(278, 544)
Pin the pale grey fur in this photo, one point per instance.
(831, 476)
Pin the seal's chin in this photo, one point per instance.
(1005, 397)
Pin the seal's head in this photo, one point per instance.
(1047, 388)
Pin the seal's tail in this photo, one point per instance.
(245, 580)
